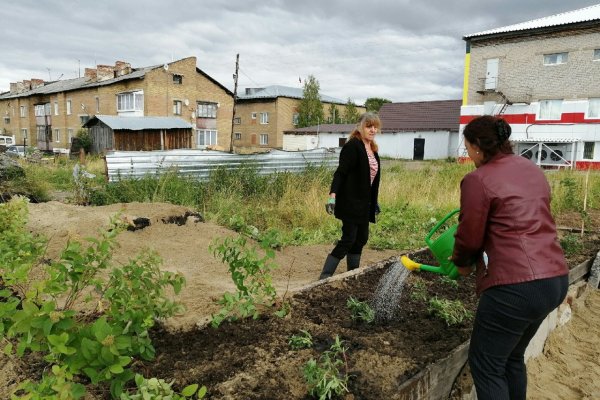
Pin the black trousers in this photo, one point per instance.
(508, 316)
(354, 238)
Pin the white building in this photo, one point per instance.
(543, 77)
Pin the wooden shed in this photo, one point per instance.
(138, 133)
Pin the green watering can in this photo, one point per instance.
(441, 248)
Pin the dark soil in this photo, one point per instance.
(252, 359)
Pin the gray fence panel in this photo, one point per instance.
(200, 163)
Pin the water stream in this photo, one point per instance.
(386, 299)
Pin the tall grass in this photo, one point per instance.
(413, 198)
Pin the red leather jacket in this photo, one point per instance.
(505, 211)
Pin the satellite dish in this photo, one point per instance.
(166, 67)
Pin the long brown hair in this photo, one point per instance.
(366, 120)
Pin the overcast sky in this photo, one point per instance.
(401, 50)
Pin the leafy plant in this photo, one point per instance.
(251, 275)
(571, 244)
(40, 317)
(451, 311)
(159, 389)
(325, 377)
(360, 310)
(303, 340)
(419, 291)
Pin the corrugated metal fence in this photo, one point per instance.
(200, 163)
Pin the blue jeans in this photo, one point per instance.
(508, 316)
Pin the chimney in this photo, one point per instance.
(36, 83)
(23, 86)
(104, 72)
(122, 68)
(90, 74)
(13, 87)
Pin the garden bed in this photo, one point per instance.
(253, 360)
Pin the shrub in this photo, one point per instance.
(325, 377)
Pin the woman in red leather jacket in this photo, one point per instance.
(507, 231)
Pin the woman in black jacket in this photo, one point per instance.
(353, 194)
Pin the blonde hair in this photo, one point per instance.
(366, 120)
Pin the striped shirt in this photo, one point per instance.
(372, 165)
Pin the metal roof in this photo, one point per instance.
(323, 128)
(421, 116)
(586, 14)
(545, 140)
(139, 123)
(272, 92)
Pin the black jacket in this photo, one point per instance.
(356, 198)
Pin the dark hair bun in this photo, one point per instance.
(502, 130)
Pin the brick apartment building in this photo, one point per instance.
(263, 114)
(543, 77)
(48, 114)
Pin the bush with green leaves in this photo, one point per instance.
(159, 389)
(329, 375)
(361, 310)
(453, 312)
(123, 303)
(303, 340)
(251, 274)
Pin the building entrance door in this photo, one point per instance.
(418, 149)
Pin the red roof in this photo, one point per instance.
(439, 115)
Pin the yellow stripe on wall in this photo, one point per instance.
(466, 79)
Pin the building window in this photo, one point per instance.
(97, 104)
(70, 135)
(238, 136)
(56, 108)
(177, 107)
(57, 135)
(593, 110)
(295, 118)
(7, 119)
(207, 137)
(556, 58)
(177, 79)
(24, 132)
(23, 111)
(264, 118)
(207, 110)
(39, 110)
(83, 119)
(132, 101)
(550, 109)
(588, 150)
(597, 55)
(237, 120)
(68, 107)
(253, 115)
(264, 139)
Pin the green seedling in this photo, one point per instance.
(301, 341)
(453, 312)
(360, 310)
(324, 377)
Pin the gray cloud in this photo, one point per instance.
(402, 50)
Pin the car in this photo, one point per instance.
(16, 151)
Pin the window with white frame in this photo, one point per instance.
(550, 109)
(131, 101)
(57, 135)
(264, 138)
(177, 79)
(237, 120)
(177, 107)
(56, 108)
(206, 137)
(593, 108)
(264, 118)
(295, 118)
(206, 110)
(596, 55)
(38, 110)
(97, 104)
(70, 135)
(22, 111)
(24, 132)
(556, 58)
(588, 150)
(83, 119)
(6, 119)
(238, 136)
(253, 115)
(69, 107)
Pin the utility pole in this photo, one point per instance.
(235, 84)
